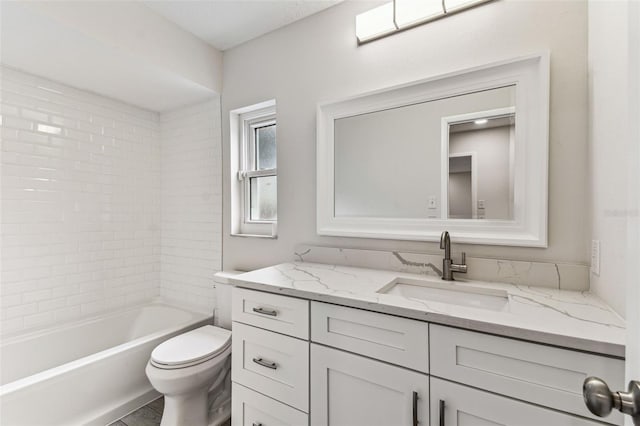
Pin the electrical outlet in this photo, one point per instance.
(432, 202)
(595, 257)
(481, 204)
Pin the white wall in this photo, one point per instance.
(191, 249)
(317, 59)
(611, 146)
(80, 210)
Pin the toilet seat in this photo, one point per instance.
(191, 348)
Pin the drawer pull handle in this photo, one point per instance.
(263, 311)
(415, 408)
(257, 424)
(441, 412)
(268, 364)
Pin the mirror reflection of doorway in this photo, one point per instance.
(462, 197)
(480, 151)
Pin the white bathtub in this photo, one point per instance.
(91, 372)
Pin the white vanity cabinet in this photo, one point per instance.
(457, 405)
(297, 363)
(269, 359)
(544, 375)
(351, 390)
(250, 408)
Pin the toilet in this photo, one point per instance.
(192, 369)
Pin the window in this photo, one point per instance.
(256, 202)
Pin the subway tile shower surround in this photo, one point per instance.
(191, 251)
(82, 203)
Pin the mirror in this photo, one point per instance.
(466, 152)
(390, 163)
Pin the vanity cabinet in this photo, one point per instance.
(543, 375)
(269, 359)
(297, 362)
(250, 408)
(396, 340)
(351, 390)
(453, 404)
(272, 364)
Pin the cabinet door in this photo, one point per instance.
(350, 390)
(543, 375)
(457, 405)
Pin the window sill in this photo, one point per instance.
(272, 237)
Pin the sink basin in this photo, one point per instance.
(448, 292)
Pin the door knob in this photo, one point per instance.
(600, 400)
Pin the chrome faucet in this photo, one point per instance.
(448, 267)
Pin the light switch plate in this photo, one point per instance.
(595, 257)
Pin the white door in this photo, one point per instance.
(629, 241)
(633, 205)
(350, 390)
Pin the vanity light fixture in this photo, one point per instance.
(481, 121)
(399, 15)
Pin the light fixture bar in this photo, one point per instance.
(375, 23)
(415, 12)
(400, 15)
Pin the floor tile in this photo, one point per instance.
(144, 416)
(157, 405)
(118, 423)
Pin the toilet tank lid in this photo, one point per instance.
(200, 343)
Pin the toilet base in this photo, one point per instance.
(190, 409)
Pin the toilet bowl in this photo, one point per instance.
(184, 368)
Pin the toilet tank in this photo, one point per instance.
(222, 313)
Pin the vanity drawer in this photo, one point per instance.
(456, 405)
(272, 364)
(250, 408)
(535, 373)
(282, 314)
(392, 339)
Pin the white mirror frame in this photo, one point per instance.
(530, 75)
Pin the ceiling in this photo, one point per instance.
(227, 23)
(37, 43)
(159, 56)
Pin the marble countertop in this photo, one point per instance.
(572, 319)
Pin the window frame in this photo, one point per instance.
(248, 120)
(249, 168)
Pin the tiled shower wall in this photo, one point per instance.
(82, 204)
(191, 248)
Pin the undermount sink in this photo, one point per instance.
(448, 292)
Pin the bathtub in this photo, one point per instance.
(90, 372)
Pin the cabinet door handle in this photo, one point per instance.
(263, 311)
(256, 424)
(415, 408)
(268, 364)
(441, 408)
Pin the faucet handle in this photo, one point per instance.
(464, 258)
